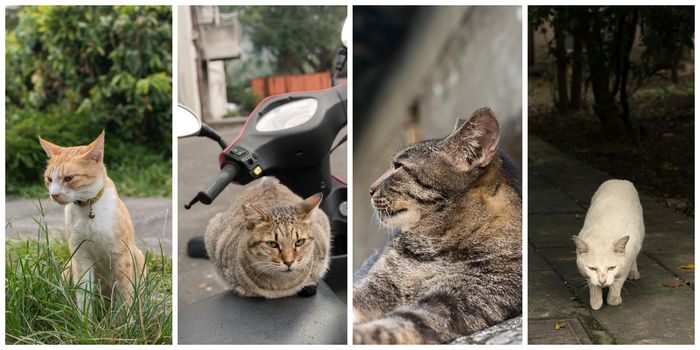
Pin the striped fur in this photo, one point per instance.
(255, 244)
(455, 267)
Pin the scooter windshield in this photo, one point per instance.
(288, 115)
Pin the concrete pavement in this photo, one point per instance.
(560, 189)
(152, 219)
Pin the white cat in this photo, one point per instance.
(610, 240)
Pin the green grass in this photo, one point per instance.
(40, 306)
(148, 175)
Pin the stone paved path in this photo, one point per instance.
(152, 219)
(560, 188)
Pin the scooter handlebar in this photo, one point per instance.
(207, 194)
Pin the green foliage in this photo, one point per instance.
(244, 96)
(40, 306)
(72, 71)
(665, 31)
(299, 39)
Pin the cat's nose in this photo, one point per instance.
(289, 263)
(55, 195)
(602, 279)
(373, 187)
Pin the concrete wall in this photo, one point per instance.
(215, 38)
(216, 89)
(187, 93)
(455, 60)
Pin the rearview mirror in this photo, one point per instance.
(186, 122)
(345, 33)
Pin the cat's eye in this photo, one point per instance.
(611, 268)
(592, 268)
(48, 179)
(273, 244)
(67, 178)
(397, 165)
(300, 242)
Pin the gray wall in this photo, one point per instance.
(456, 59)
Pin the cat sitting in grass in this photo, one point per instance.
(610, 240)
(271, 243)
(98, 225)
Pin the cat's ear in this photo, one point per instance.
(473, 143)
(50, 149)
(621, 244)
(254, 215)
(459, 123)
(581, 246)
(96, 149)
(309, 204)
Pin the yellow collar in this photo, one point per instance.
(91, 201)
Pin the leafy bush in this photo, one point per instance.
(72, 71)
(245, 97)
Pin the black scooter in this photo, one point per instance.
(290, 137)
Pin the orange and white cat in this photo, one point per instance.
(98, 224)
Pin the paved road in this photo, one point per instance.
(197, 163)
(151, 217)
(560, 188)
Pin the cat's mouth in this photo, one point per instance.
(61, 200)
(389, 213)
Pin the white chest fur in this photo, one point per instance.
(99, 231)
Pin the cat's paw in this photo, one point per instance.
(596, 304)
(307, 291)
(614, 299)
(633, 275)
(384, 331)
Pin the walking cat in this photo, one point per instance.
(98, 224)
(610, 240)
(271, 243)
(455, 265)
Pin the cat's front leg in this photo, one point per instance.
(128, 269)
(389, 330)
(373, 297)
(634, 272)
(596, 296)
(83, 281)
(427, 322)
(614, 297)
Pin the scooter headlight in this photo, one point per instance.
(288, 115)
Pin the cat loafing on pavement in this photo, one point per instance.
(455, 266)
(98, 225)
(610, 240)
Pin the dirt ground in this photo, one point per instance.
(658, 158)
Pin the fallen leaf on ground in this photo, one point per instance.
(202, 285)
(687, 267)
(674, 284)
(560, 325)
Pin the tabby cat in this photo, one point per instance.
(455, 265)
(271, 243)
(98, 224)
